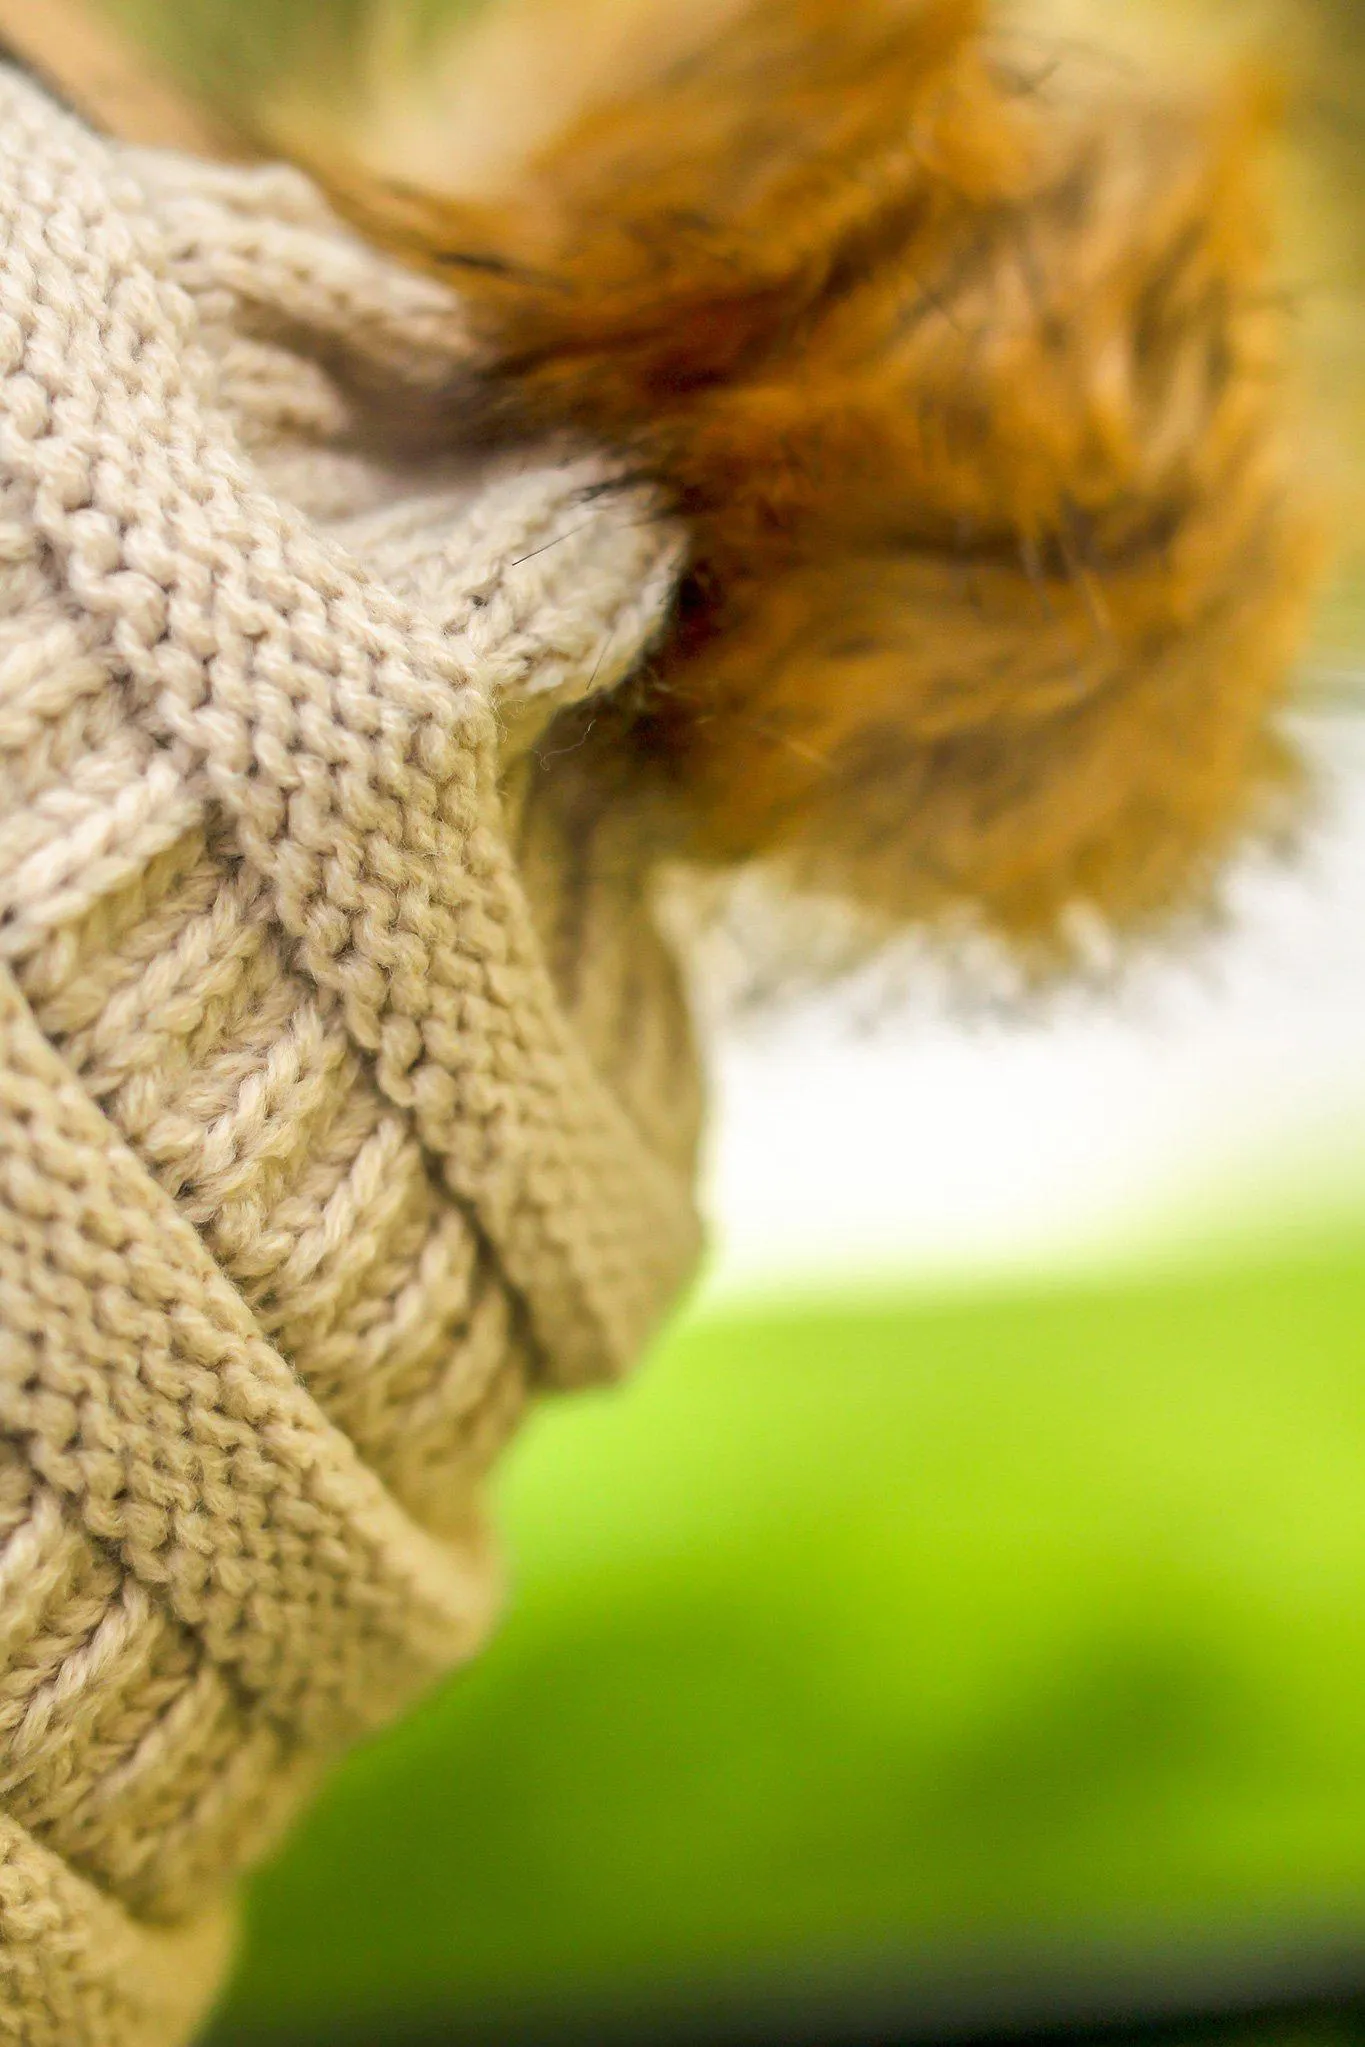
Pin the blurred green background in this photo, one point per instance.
(886, 1636)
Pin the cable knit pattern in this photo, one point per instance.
(346, 1089)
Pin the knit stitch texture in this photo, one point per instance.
(346, 1088)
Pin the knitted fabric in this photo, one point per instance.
(346, 1092)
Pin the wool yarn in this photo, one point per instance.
(344, 1099)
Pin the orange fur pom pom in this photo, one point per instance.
(974, 396)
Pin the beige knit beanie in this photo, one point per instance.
(346, 1091)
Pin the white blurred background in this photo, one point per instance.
(1217, 1092)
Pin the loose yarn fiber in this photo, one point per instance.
(344, 1100)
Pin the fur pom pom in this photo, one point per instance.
(974, 394)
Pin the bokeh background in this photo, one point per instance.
(960, 1625)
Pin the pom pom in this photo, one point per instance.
(974, 394)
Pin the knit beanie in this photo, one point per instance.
(346, 1089)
